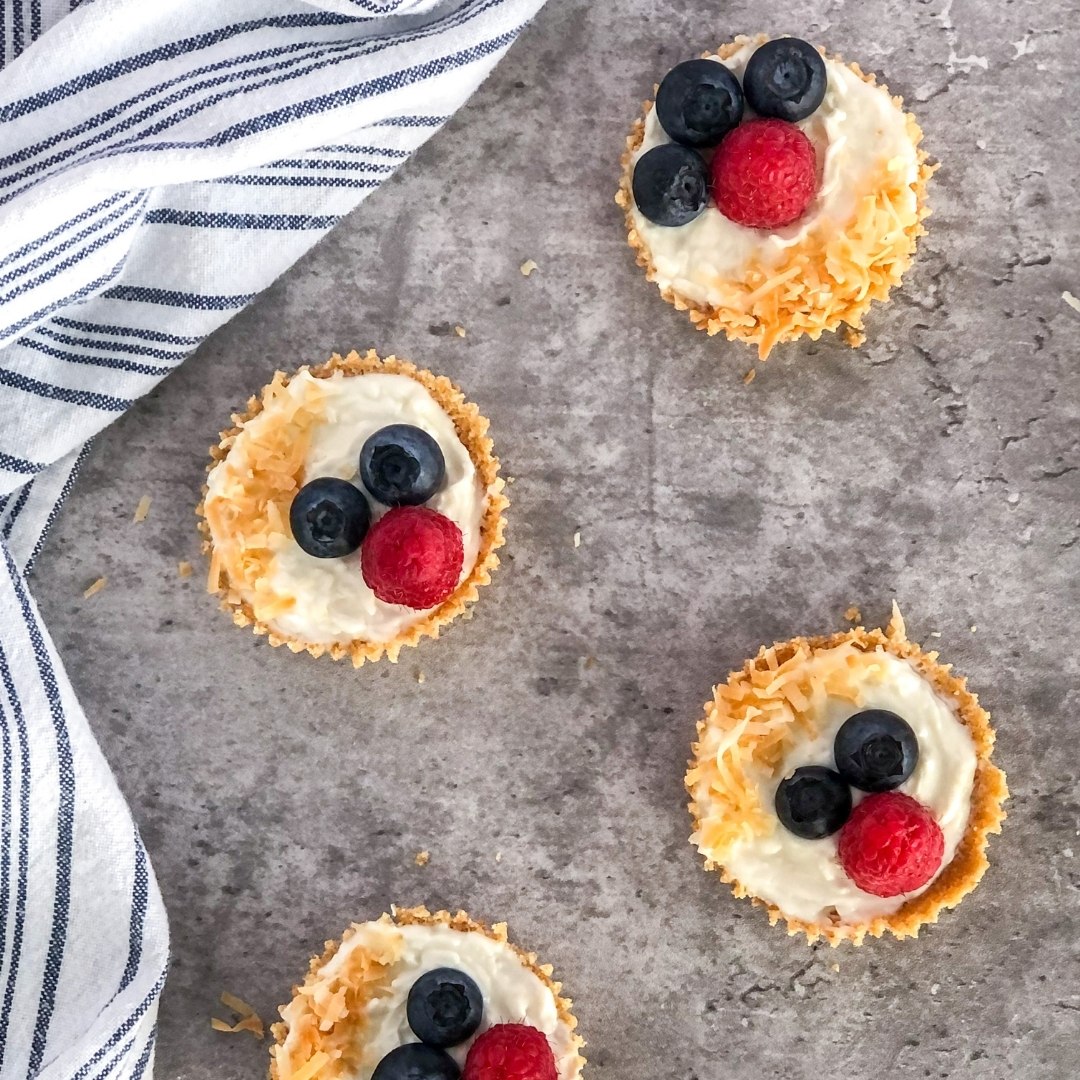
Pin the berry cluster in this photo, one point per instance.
(412, 555)
(763, 173)
(446, 1008)
(889, 844)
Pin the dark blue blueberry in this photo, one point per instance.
(402, 465)
(876, 750)
(813, 802)
(415, 1061)
(445, 1007)
(329, 517)
(671, 184)
(786, 79)
(699, 102)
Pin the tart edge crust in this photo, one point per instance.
(420, 916)
(472, 430)
(989, 792)
(713, 320)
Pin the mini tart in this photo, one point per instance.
(276, 479)
(714, 832)
(824, 282)
(322, 1024)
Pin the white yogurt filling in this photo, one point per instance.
(332, 601)
(512, 993)
(804, 878)
(857, 131)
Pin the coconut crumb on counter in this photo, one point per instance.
(1071, 300)
(935, 633)
(94, 589)
(498, 856)
(854, 337)
(853, 614)
(836, 967)
(422, 858)
(142, 511)
(973, 628)
(249, 1019)
(749, 377)
(577, 539)
(459, 330)
(184, 569)
(527, 267)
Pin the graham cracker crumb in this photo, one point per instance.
(142, 511)
(750, 376)
(527, 267)
(590, 661)
(423, 858)
(853, 614)
(94, 589)
(183, 569)
(459, 330)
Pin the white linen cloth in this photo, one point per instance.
(161, 162)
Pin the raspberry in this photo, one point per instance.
(764, 174)
(511, 1052)
(891, 844)
(412, 556)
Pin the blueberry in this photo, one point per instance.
(699, 102)
(671, 184)
(445, 1007)
(415, 1061)
(813, 802)
(876, 750)
(402, 465)
(329, 517)
(785, 78)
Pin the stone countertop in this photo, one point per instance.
(540, 761)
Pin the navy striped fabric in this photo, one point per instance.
(152, 182)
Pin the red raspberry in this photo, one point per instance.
(412, 556)
(891, 844)
(511, 1052)
(764, 174)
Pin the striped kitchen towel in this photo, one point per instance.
(161, 162)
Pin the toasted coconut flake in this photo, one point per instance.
(142, 510)
(459, 330)
(249, 1019)
(830, 278)
(750, 376)
(422, 858)
(527, 267)
(745, 727)
(95, 588)
(184, 569)
(853, 614)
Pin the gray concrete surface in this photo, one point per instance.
(282, 797)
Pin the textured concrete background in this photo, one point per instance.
(282, 797)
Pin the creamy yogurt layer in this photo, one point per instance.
(330, 602)
(512, 992)
(859, 134)
(804, 878)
